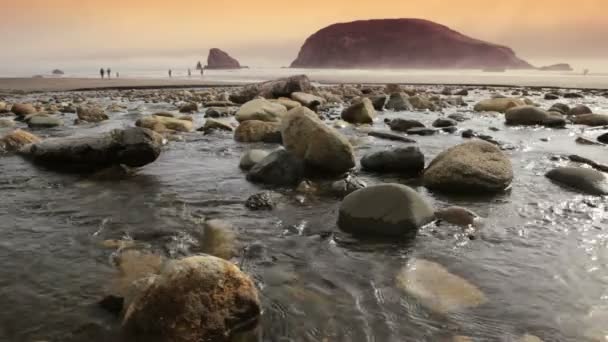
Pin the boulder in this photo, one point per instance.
(400, 43)
(91, 114)
(217, 112)
(198, 298)
(322, 148)
(384, 210)
(437, 288)
(219, 59)
(4, 123)
(399, 102)
(461, 92)
(251, 158)
(161, 124)
(603, 138)
(588, 181)
(23, 109)
(591, 119)
(498, 104)
(282, 87)
(361, 112)
(262, 110)
(472, 167)
(530, 115)
(579, 110)
(288, 103)
(189, 108)
(16, 139)
(43, 121)
(573, 96)
(458, 216)
(421, 103)
(379, 101)
(212, 125)
(560, 107)
(444, 122)
(407, 160)
(258, 131)
(551, 96)
(134, 147)
(346, 186)
(308, 100)
(403, 125)
(279, 168)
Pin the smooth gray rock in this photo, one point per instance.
(251, 158)
(407, 160)
(588, 181)
(278, 168)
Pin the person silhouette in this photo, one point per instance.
(109, 72)
(117, 75)
(189, 73)
(202, 71)
(170, 73)
(102, 72)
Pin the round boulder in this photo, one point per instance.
(384, 210)
(322, 148)
(408, 160)
(262, 110)
(23, 109)
(199, 298)
(589, 181)
(403, 125)
(444, 122)
(258, 131)
(530, 115)
(591, 119)
(475, 166)
(579, 110)
(361, 112)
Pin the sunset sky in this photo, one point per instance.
(274, 30)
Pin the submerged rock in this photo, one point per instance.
(278, 168)
(498, 104)
(472, 167)
(322, 148)
(91, 114)
(438, 289)
(134, 147)
(458, 216)
(384, 210)
(199, 298)
(591, 119)
(530, 115)
(361, 112)
(162, 124)
(390, 136)
(408, 160)
(260, 201)
(346, 186)
(444, 122)
(399, 102)
(16, 139)
(258, 131)
(23, 109)
(307, 100)
(212, 125)
(403, 125)
(579, 110)
(262, 110)
(189, 108)
(218, 239)
(588, 181)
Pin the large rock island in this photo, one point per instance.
(401, 43)
(219, 59)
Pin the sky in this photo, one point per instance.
(272, 31)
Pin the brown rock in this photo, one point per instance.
(219, 59)
(258, 131)
(17, 139)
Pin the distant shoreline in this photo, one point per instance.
(61, 84)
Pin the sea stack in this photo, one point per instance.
(401, 43)
(219, 59)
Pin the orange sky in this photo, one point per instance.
(81, 28)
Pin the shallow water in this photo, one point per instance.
(541, 258)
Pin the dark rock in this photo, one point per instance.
(390, 136)
(260, 201)
(551, 96)
(278, 168)
(469, 133)
(408, 160)
(134, 147)
(458, 117)
(400, 43)
(450, 129)
(402, 125)
(361, 112)
(579, 110)
(603, 138)
(444, 122)
(219, 59)
(588, 181)
(399, 102)
(530, 115)
(585, 141)
(421, 131)
(379, 101)
(273, 89)
(346, 186)
(574, 95)
(591, 119)
(462, 92)
(112, 304)
(560, 107)
(189, 108)
(386, 210)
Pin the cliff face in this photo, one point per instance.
(401, 43)
(219, 59)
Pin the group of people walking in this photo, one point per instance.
(107, 72)
(189, 72)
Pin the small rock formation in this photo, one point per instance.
(399, 102)
(361, 112)
(588, 181)
(163, 124)
(438, 289)
(384, 210)
(262, 110)
(42, 120)
(260, 201)
(444, 122)
(403, 125)
(258, 131)
(189, 108)
(278, 168)
(219, 59)
(603, 138)
(275, 89)
(471, 167)
(498, 104)
(23, 109)
(57, 72)
(557, 67)
(400, 43)
(91, 114)
(215, 125)
(16, 140)
(458, 216)
(591, 120)
(322, 148)
(290, 103)
(199, 298)
(250, 158)
(530, 116)
(134, 147)
(408, 160)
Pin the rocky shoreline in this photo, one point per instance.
(313, 131)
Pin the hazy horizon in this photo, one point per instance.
(267, 34)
